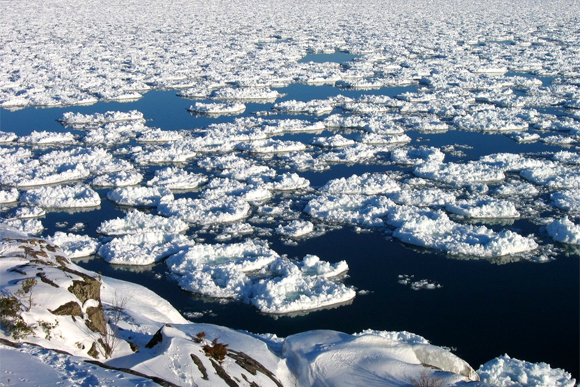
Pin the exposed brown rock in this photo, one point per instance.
(71, 308)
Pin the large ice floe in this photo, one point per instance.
(252, 272)
(452, 126)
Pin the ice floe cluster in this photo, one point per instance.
(403, 144)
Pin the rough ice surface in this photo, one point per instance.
(295, 228)
(507, 371)
(206, 211)
(137, 222)
(140, 196)
(177, 179)
(435, 230)
(564, 230)
(9, 196)
(367, 184)
(567, 200)
(143, 248)
(250, 271)
(483, 207)
(61, 197)
(75, 246)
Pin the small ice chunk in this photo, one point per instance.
(295, 229)
(73, 245)
(565, 231)
(483, 207)
(405, 279)
(335, 141)
(137, 222)
(62, 197)
(140, 196)
(216, 108)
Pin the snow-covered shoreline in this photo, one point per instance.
(141, 333)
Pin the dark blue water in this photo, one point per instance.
(527, 310)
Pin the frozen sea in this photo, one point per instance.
(359, 187)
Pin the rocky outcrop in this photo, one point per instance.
(71, 308)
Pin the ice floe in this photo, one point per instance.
(177, 179)
(140, 196)
(250, 271)
(52, 197)
(483, 207)
(366, 184)
(435, 230)
(564, 230)
(143, 248)
(137, 222)
(73, 245)
(204, 211)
